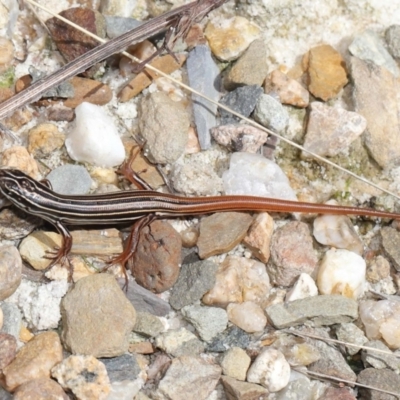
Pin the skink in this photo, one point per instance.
(36, 198)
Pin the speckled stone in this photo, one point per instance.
(43, 139)
(8, 349)
(10, 271)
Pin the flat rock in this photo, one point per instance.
(238, 390)
(158, 117)
(330, 130)
(34, 360)
(375, 91)
(250, 69)
(292, 253)
(270, 113)
(70, 179)
(384, 379)
(326, 71)
(195, 279)
(221, 232)
(194, 374)
(97, 317)
(235, 363)
(121, 368)
(390, 241)
(321, 310)
(203, 76)
(155, 264)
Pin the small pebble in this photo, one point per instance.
(248, 316)
(270, 369)
(239, 279)
(304, 287)
(342, 272)
(148, 324)
(236, 390)
(94, 138)
(44, 139)
(18, 157)
(254, 175)
(208, 321)
(235, 363)
(228, 39)
(231, 337)
(221, 232)
(84, 376)
(326, 72)
(34, 360)
(351, 333)
(70, 179)
(337, 231)
(289, 90)
(270, 113)
(10, 271)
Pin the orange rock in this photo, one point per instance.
(141, 348)
(326, 71)
(166, 64)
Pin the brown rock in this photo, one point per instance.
(166, 64)
(60, 114)
(155, 264)
(289, 90)
(375, 98)
(88, 90)
(326, 71)
(258, 238)
(34, 360)
(6, 93)
(8, 349)
(71, 42)
(10, 271)
(195, 36)
(141, 348)
(97, 317)
(292, 253)
(22, 83)
(18, 119)
(44, 139)
(19, 158)
(39, 389)
(221, 232)
(237, 390)
(378, 269)
(250, 69)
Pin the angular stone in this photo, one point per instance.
(97, 317)
(375, 98)
(321, 310)
(44, 139)
(326, 71)
(148, 325)
(221, 232)
(390, 243)
(250, 69)
(270, 113)
(8, 349)
(39, 389)
(203, 76)
(383, 379)
(392, 36)
(237, 390)
(121, 368)
(231, 337)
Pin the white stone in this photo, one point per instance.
(270, 369)
(382, 320)
(337, 231)
(342, 272)
(94, 138)
(255, 175)
(304, 287)
(40, 303)
(248, 316)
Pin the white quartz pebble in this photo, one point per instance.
(94, 138)
(304, 287)
(342, 272)
(248, 316)
(337, 231)
(270, 369)
(255, 175)
(382, 320)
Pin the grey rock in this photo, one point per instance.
(380, 360)
(4, 395)
(231, 337)
(64, 90)
(121, 368)
(384, 379)
(203, 76)
(159, 116)
(12, 319)
(116, 26)
(375, 98)
(179, 342)
(368, 47)
(194, 281)
(70, 179)
(351, 333)
(242, 100)
(143, 300)
(250, 69)
(390, 243)
(193, 374)
(270, 113)
(208, 321)
(392, 36)
(320, 310)
(148, 324)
